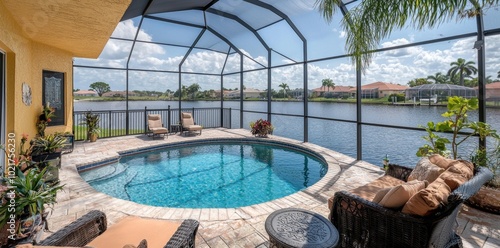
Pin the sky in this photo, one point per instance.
(323, 40)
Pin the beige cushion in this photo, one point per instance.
(143, 244)
(459, 172)
(380, 195)
(154, 123)
(440, 161)
(132, 230)
(187, 120)
(369, 190)
(159, 130)
(429, 199)
(399, 195)
(425, 171)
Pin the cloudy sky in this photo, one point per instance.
(323, 40)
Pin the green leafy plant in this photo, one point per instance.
(456, 121)
(47, 144)
(491, 160)
(30, 194)
(92, 122)
(44, 118)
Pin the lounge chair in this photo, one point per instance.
(91, 229)
(188, 123)
(155, 126)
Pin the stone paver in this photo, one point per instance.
(233, 227)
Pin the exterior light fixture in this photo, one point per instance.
(478, 44)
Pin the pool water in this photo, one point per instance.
(208, 176)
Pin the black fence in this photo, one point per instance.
(114, 123)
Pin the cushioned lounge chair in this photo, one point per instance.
(363, 223)
(91, 229)
(188, 124)
(155, 126)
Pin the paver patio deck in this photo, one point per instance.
(232, 227)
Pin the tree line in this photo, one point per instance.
(461, 72)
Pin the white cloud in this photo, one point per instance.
(397, 66)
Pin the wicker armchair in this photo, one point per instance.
(88, 227)
(362, 223)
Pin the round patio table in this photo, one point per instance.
(293, 227)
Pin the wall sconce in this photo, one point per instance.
(478, 44)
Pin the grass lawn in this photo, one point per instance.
(81, 132)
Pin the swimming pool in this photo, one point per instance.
(208, 176)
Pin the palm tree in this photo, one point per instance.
(284, 87)
(463, 69)
(438, 78)
(367, 24)
(498, 76)
(328, 82)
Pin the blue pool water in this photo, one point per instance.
(208, 176)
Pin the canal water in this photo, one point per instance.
(398, 144)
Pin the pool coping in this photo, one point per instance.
(81, 189)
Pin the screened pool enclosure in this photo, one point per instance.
(231, 62)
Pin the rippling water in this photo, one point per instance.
(399, 145)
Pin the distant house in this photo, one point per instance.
(118, 93)
(338, 91)
(252, 93)
(380, 90)
(320, 92)
(247, 93)
(493, 91)
(85, 93)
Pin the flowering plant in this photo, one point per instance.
(261, 127)
(44, 118)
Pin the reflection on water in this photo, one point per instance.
(399, 145)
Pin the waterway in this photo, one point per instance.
(400, 145)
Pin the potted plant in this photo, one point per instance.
(92, 121)
(488, 197)
(24, 200)
(456, 121)
(261, 128)
(44, 118)
(46, 151)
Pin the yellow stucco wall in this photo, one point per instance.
(25, 61)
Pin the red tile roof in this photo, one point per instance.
(384, 86)
(495, 85)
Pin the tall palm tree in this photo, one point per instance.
(284, 87)
(463, 69)
(328, 82)
(372, 21)
(438, 78)
(498, 76)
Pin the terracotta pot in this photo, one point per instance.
(93, 137)
(487, 199)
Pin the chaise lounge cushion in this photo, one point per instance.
(188, 123)
(429, 199)
(399, 195)
(132, 230)
(155, 125)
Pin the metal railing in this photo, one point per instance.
(113, 123)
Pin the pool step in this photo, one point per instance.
(118, 169)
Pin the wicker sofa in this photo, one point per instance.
(85, 229)
(363, 223)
